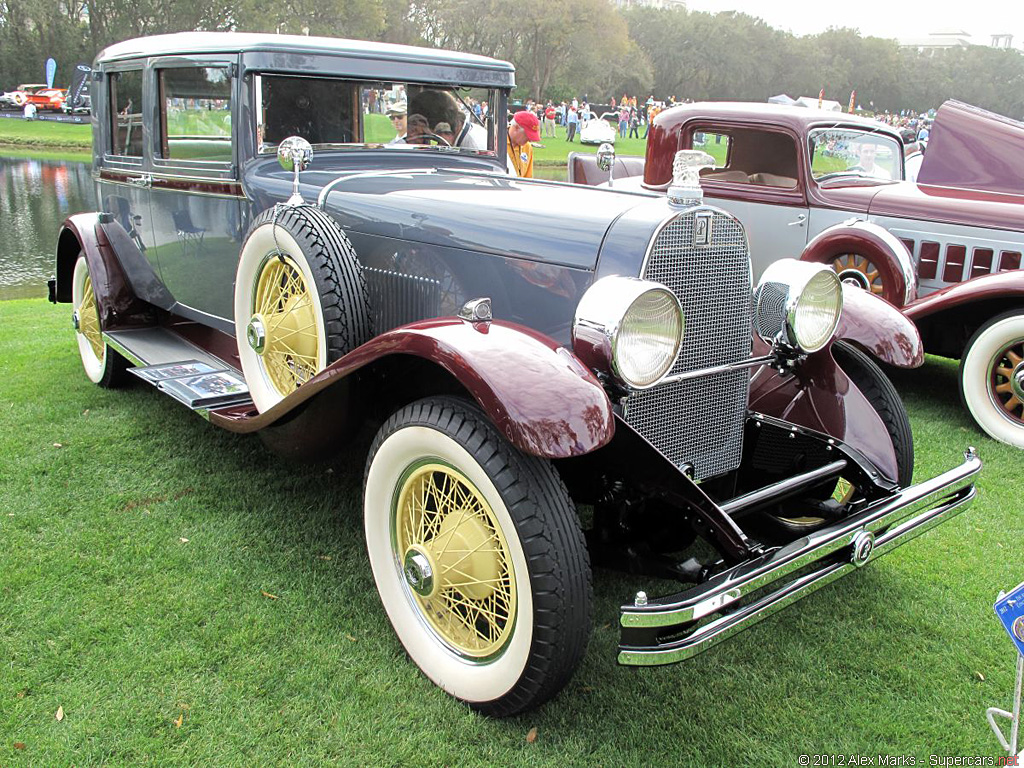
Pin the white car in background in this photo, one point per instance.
(599, 130)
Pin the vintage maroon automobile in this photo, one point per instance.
(829, 187)
(520, 347)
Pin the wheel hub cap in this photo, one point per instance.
(863, 544)
(853, 278)
(419, 572)
(256, 334)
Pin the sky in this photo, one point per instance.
(884, 18)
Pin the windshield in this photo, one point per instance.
(851, 152)
(332, 112)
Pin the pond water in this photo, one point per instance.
(35, 198)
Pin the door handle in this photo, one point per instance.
(145, 180)
(799, 221)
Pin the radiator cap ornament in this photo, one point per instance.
(686, 169)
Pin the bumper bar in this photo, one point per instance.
(804, 566)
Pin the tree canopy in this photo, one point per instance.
(560, 49)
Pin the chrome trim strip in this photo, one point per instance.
(124, 351)
(746, 578)
(725, 626)
(751, 362)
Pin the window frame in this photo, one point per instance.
(180, 167)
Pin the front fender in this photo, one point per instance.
(819, 395)
(998, 287)
(879, 329)
(535, 391)
(882, 248)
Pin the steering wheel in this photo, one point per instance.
(427, 135)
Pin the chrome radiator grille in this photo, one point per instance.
(700, 422)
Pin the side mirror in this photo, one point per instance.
(295, 154)
(606, 161)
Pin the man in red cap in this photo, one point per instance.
(524, 128)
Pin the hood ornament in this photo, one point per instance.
(686, 169)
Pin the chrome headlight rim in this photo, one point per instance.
(800, 278)
(604, 312)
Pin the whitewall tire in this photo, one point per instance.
(992, 377)
(478, 557)
(299, 303)
(102, 365)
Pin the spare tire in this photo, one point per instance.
(300, 300)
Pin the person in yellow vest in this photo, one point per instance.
(524, 128)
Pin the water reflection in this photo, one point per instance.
(35, 198)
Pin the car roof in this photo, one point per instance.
(239, 42)
(798, 119)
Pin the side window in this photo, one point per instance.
(195, 114)
(715, 144)
(126, 113)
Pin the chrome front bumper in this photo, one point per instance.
(670, 629)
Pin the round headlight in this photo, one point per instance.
(798, 303)
(629, 328)
(817, 311)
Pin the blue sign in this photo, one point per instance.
(51, 72)
(1010, 610)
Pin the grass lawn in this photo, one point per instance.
(555, 151)
(41, 133)
(183, 597)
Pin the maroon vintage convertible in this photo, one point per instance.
(946, 250)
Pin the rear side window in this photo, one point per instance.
(715, 144)
(126, 113)
(195, 113)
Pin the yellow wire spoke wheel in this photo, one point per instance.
(285, 313)
(455, 560)
(102, 365)
(859, 271)
(89, 319)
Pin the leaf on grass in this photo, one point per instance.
(184, 540)
(531, 735)
(587, 689)
(179, 720)
(19, 745)
(23, 693)
(267, 594)
(324, 557)
(350, 638)
(60, 713)
(85, 412)
(58, 445)
(980, 676)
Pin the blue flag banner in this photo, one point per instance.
(51, 72)
(1010, 610)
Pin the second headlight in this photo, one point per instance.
(798, 303)
(629, 328)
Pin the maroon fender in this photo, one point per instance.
(1001, 286)
(879, 329)
(535, 391)
(819, 396)
(878, 245)
(117, 302)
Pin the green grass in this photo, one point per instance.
(555, 151)
(40, 134)
(106, 612)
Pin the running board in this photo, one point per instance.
(157, 348)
